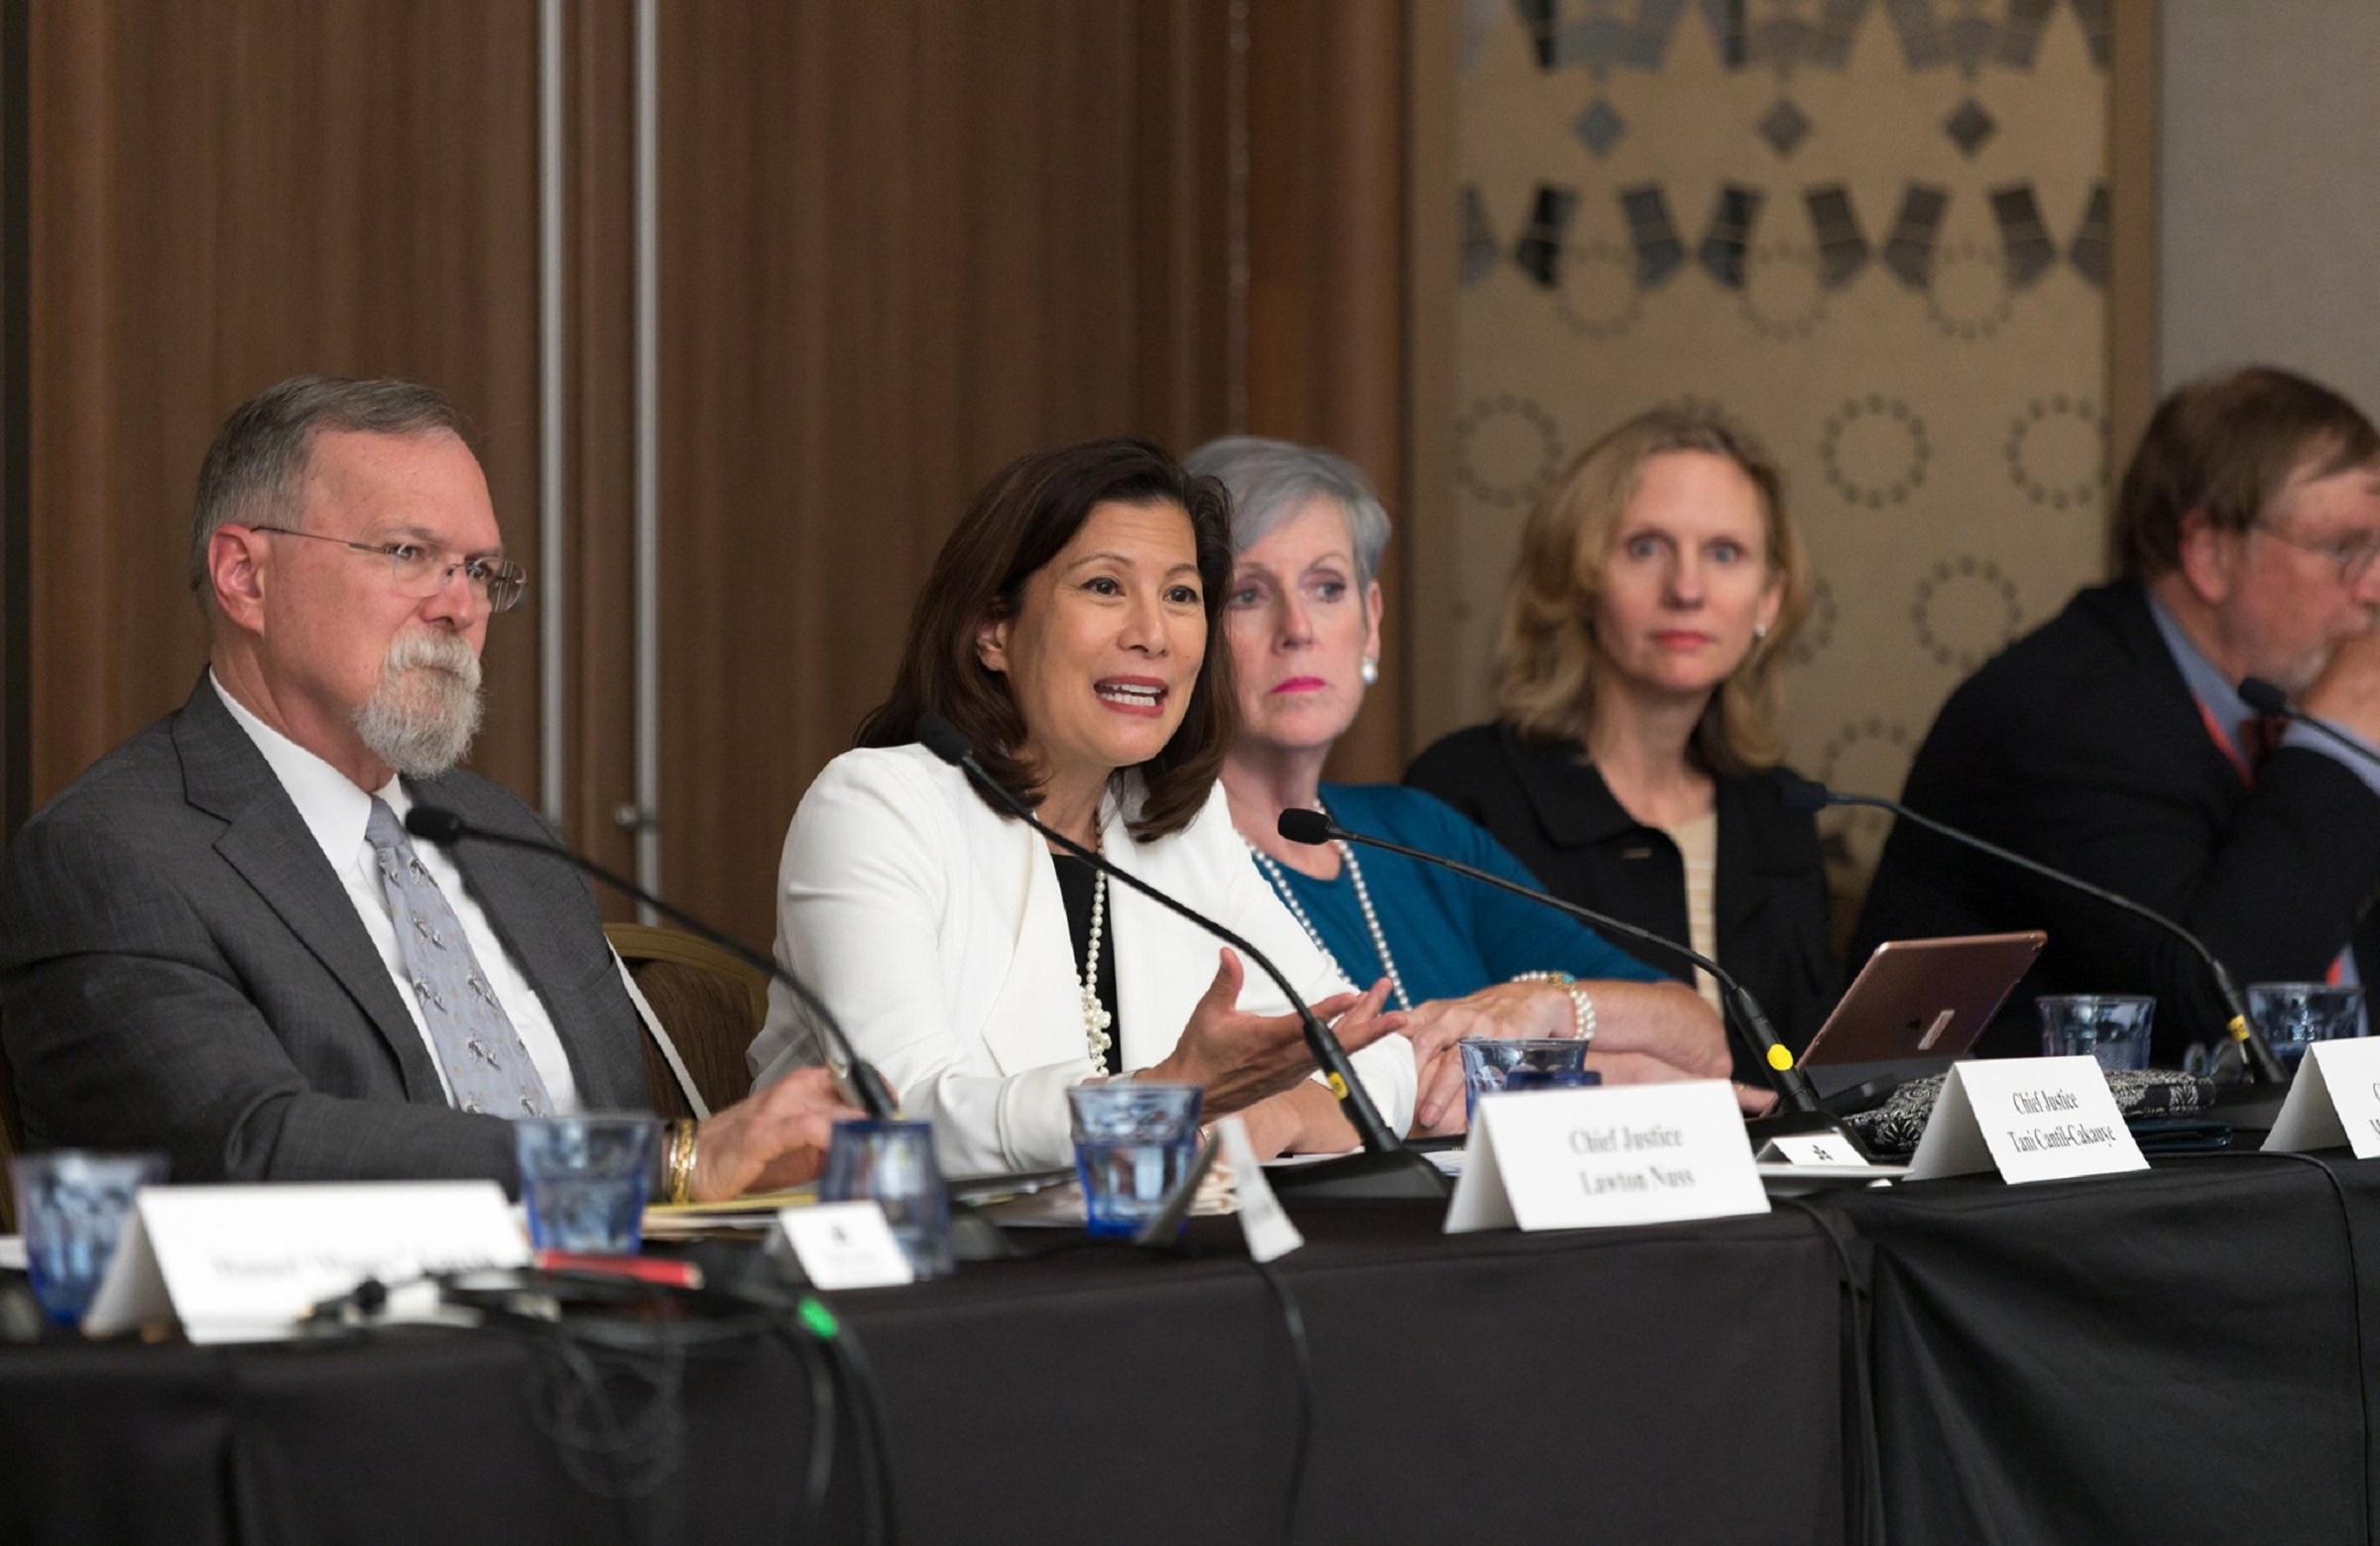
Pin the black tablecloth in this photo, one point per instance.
(2168, 1358)
(1679, 1384)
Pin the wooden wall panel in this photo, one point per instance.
(599, 465)
(2134, 79)
(225, 192)
(902, 243)
(1325, 302)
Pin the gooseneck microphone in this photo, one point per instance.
(867, 1087)
(1809, 795)
(1314, 828)
(2266, 698)
(1386, 1168)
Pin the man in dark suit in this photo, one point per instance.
(2113, 744)
(218, 942)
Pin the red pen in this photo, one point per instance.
(643, 1270)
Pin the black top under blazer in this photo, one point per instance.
(1546, 804)
(2082, 746)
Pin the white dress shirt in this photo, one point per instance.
(336, 812)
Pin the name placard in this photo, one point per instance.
(1811, 1148)
(245, 1263)
(1641, 1153)
(1268, 1229)
(2334, 1101)
(2033, 1118)
(846, 1246)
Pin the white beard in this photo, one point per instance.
(421, 717)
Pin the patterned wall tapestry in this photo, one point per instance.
(1872, 230)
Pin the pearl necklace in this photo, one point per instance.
(1371, 919)
(1095, 1018)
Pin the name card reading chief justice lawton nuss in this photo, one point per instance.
(1565, 1159)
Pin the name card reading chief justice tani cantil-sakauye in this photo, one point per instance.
(1565, 1159)
(2034, 1118)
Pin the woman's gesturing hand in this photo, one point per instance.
(1503, 1009)
(1238, 1059)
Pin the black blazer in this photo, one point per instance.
(2080, 746)
(1542, 800)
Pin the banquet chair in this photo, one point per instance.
(711, 1003)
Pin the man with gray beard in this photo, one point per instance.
(219, 942)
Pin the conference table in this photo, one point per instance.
(2170, 1357)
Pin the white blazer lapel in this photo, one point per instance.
(1164, 962)
(1034, 1017)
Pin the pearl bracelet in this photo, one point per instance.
(1582, 1007)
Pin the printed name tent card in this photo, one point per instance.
(243, 1264)
(2033, 1118)
(848, 1244)
(1565, 1159)
(1811, 1148)
(2333, 1103)
(1268, 1229)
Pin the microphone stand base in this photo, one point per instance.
(1792, 1123)
(1392, 1174)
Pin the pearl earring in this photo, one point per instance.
(1371, 670)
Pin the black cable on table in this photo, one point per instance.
(1301, 1358)
(818, 1470)
(879, 1517)
(1872, 1451)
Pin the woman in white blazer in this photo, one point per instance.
(1064, 629)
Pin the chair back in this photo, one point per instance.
(711, 1003)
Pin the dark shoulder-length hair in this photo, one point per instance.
(1019, 522)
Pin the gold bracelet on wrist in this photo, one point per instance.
(681, 1164)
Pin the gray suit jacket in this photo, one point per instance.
(180, 969)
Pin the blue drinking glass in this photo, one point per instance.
(585, 1179)
(73, 1205)
(1134, 1142)
(893, 1165)
(2292, 1017)
(1492, 1064)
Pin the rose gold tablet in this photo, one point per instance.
(1926, 998)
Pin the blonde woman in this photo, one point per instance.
(1633, 766)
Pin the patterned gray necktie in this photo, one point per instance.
(486, 1067)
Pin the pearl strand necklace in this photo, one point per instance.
(1095, 1018)
(1279, 881)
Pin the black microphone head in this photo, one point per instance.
(2263, 696)
(1805, 795)
(1310, 827)
(435, 824)
(942, 738)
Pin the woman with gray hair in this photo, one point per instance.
(1303, 621)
